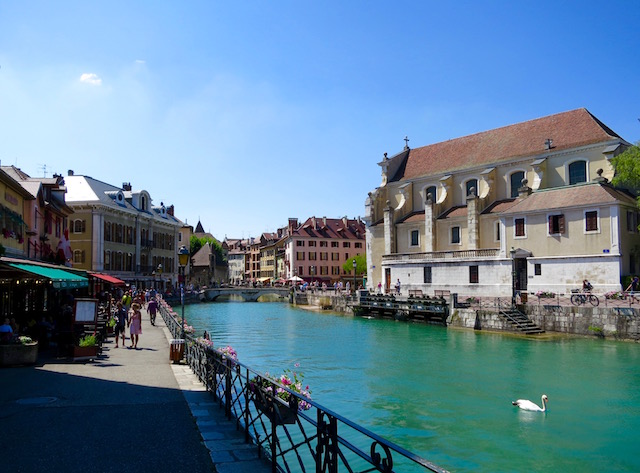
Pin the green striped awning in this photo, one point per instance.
(61, 279)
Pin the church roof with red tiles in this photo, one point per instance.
(567, 130)
(588, 194)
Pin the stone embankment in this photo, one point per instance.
(621, 323)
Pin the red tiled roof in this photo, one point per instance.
(567, 130)
(334, 228)
(453, 212)
(562, 197)
(415, 217)
(500, 206)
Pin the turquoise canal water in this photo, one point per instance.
(445, 394)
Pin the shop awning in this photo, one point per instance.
(61, 279)
(109, 279)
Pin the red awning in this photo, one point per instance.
(109, 279)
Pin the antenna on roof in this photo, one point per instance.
(43, 168)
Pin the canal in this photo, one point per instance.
(446, 394)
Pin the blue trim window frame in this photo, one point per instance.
(577, 172)
(414, 238)
(473, 182)
(515, 181)
(455, 235)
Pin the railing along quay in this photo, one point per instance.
(317, 439)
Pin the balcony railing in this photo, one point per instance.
(442, 255)
(314, 440)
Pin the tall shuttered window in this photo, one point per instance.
(591, 221)
(556, 224)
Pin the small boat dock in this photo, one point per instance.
(423, 308)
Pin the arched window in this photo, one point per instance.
(78, 226)
(516, 182)
(577, 172)
(471, 184)
(430, 192)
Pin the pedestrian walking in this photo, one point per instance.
(122, 320)
(379, 288)
(135, 323)
(152, 308)
(398, 287)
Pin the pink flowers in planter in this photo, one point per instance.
(291, 380)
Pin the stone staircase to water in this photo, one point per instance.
(520, 321)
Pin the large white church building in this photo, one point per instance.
(534, 198)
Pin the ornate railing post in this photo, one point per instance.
(327, 448)
(227, 387)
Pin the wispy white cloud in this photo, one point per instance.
(90, 78)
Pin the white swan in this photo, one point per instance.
(527, 405)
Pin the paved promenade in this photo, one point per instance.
(129, 411)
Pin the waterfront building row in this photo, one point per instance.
(81, 222)
(528, 207)
(314, 250)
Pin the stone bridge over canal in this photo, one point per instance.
(249, 294)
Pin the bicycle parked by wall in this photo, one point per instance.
(578, 297)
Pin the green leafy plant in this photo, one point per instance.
(597, 331)
(88, 341)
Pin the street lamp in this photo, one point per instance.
(355, 264)
(313, 270)
(513, 276)
(183, 259)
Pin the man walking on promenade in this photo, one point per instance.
(152, 308)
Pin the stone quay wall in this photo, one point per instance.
(606, 322)
(622, 323)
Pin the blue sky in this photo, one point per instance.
(245, 113)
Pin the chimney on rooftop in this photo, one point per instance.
(170, 210)
(126, 186)
(70, 172)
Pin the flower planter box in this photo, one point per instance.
(276, 410)
(18, 354)
(84, 353)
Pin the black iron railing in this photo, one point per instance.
(313, 440)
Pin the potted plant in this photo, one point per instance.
(275, 402)
(227, 356)
(19, 351)
(86, 348)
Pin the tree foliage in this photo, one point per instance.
(361, 265)
(196, 243)
(627, 169)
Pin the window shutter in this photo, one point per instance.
(560, 223)
(550, 221)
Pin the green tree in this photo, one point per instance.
(361, 265)
(196, 243)
(627, 169)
